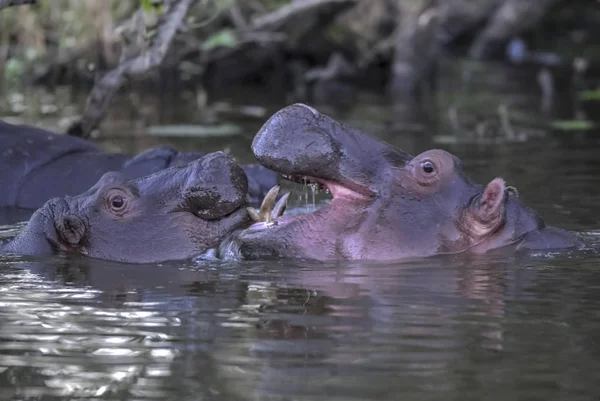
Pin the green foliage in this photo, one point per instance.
(12, 70)
(572, 125)
(151, 6)
(221, 5)
(273, 4)
(223, 38)
(590, 95)
(205, 131)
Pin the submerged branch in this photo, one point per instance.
(267, 31)
(130, 69)
(280, 19)
(13, 3)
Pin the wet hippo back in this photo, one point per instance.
(38, 165)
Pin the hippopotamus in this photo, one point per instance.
(37, 165)
(387, 204)
(174, 214)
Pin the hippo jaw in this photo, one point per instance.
(307, 236)
(174, 214)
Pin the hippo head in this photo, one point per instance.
(174, 214)
(386, 204)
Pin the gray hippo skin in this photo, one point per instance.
(387, 205)
(37, 165)
(174, 214)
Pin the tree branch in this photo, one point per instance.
(130, 69)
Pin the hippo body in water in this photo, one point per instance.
(387, 205)
(174, 214)
(37, 165)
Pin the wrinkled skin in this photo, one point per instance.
(387, 205)
(174, 214)
(37, 165)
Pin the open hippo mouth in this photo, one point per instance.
(306, 147)
(309, 148)
(336, 189)
(271, 211)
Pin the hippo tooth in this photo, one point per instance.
(280, 207)
(253, 215)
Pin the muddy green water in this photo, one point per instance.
(451, 328)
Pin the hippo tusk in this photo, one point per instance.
(269, 209)
(280, 206)
(253, 215)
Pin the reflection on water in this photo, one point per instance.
(499, 327)
(494, 327)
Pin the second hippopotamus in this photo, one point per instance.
(174, 214)
(387, 204)
(37, 165)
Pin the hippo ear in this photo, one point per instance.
(491, 202)
(486, 211)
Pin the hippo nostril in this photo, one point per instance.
(71, 229)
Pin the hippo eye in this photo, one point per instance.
(117, 202)
(428, 167)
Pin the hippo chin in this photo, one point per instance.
(387, 205)
(175, 214)
(37, 165)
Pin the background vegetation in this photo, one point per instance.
(54, 52)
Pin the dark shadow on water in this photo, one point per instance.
(12, 215)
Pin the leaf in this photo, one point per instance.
(223, 38)
(147, 5)
(150, 6)
(445, 139)
(195, 130)
(221, 5)
(590, 95)
(572, 125)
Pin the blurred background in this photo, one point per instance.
(207, 73)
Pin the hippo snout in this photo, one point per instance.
(71, 229)
(297, 140)
(311, 109)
